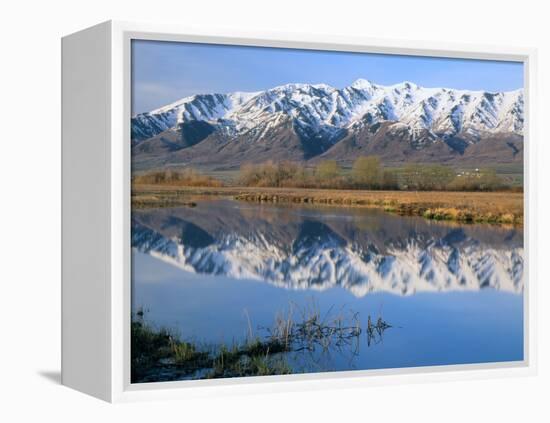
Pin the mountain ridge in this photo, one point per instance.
(318, 117)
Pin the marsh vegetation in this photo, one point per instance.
(160, 354)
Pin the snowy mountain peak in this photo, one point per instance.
(411, 86)
(362, 84)
(322, 110)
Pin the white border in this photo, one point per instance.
(121, 389)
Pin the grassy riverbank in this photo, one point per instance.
(472, 207)
(159, 354)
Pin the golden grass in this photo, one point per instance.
(490, 207)
(185, 177)
(140, 201)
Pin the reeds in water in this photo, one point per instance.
(297, 329)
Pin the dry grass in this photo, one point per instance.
(186, 177)
(143, 201)
(490, 207)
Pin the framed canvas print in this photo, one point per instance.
(275, 211)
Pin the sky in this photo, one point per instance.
(163, 72)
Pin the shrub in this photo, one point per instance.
(284, 174)
(367, 172)
(326, 171)
(389, 180)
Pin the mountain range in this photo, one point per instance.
(309, 122)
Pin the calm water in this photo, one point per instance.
(453, 294)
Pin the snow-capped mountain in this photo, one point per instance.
(304, 121)
(202, 107)
(323, 108)
(308, 254)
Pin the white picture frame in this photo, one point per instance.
(96, 207)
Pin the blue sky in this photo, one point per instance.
(163, 72)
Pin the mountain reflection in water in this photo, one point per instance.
(318, 248)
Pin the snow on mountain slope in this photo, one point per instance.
(322, 110)
(206, 107)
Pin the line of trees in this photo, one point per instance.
(367, 172)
